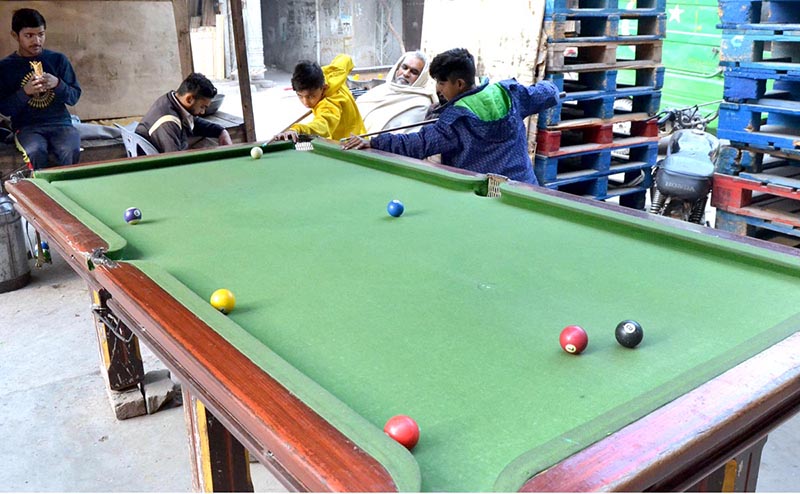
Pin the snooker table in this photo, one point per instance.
(450, 313)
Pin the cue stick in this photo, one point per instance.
(408, 126)
(307, 113)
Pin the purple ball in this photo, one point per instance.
(133, 215)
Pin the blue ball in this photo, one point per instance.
(133, 215)
(395, 208)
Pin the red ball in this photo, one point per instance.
(573, 339)
(402, 429)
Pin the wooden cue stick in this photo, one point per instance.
(285, 128)
(401, 127)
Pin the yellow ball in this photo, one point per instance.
(223, 300)
(256, 153)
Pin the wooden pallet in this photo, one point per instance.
(594, 138)
(742, 85)
(764, 123)
(585, 85)
(757, 46)
(601, 107)
(609, 187)
(758, 14)
(758, 200)
(733, 193)
(775, 215)
(559, 171)
(734, 159)
(603, 8)
(579, 28)
(581, 57)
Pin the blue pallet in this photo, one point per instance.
(738, 160)
(587, 85)
(749, 46)
(746, 123)
(578, 28)
(600, 106)
(767, 27)
(602, 8)
(631, 190)
(790, 70)
(740, 13)
(747, 225)
(587, 165)
(741, 85)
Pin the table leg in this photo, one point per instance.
(739, 474)
(119, 348)
(219, 461)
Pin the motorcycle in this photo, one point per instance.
(683, 179)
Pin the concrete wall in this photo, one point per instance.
(125, 53)
(368, 30)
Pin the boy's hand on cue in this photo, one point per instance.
(289, 135)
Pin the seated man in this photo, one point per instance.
(324, 91)
(480, 128)
(175, 117)
(36, 85)
(403, 100)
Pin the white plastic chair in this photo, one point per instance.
(133, 142)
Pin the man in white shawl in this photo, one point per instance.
(404, 99)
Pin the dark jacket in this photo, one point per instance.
(168, 126)
(49, 108)
(493, 140)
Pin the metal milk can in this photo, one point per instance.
(15, 271)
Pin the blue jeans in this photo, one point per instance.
(61, 140)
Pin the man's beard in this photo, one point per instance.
(402, 81)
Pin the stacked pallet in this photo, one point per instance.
(756, 188)
(600, 141)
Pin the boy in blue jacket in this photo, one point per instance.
(480, 128)
(35, 87)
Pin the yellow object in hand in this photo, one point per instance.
(38, 71)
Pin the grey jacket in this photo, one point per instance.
(168, 126)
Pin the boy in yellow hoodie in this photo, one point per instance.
(323, 89)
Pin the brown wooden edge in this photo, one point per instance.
(270, 421)
(64, 232)
(279, 429)
(690, 437)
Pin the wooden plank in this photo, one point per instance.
(243, 69)
(181, 14)
(219, 461)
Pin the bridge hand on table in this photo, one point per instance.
(355, 142)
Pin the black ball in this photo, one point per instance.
(629, 333)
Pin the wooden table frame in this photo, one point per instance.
(670, 449)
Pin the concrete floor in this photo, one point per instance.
(57, 428)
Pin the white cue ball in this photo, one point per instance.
(256, 153)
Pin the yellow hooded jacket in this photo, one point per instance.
(336, 115)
